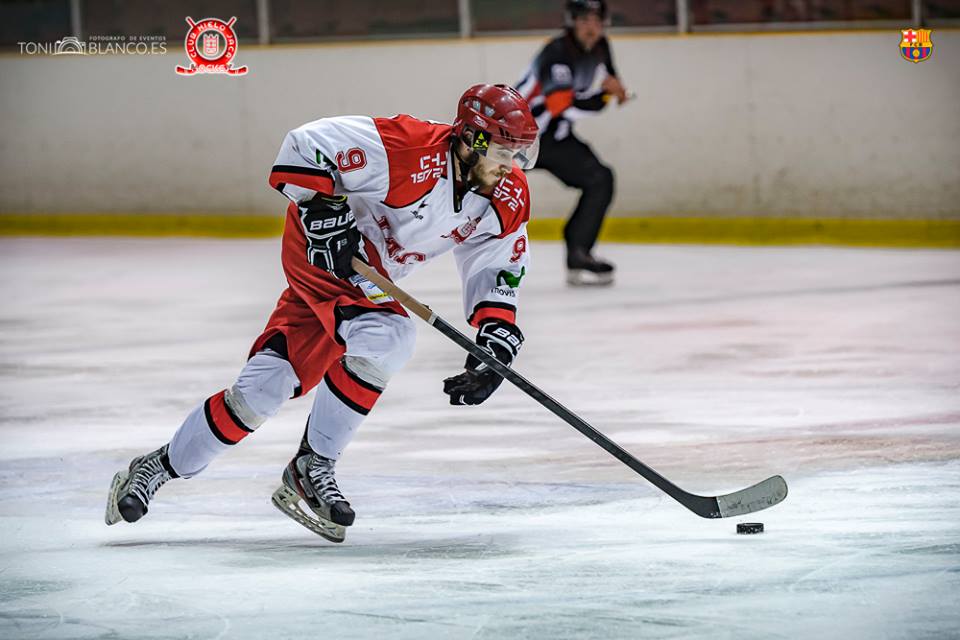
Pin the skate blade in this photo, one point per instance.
(584, 278)
(288, 501)
(112, 515)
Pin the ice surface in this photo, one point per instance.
(718, 366)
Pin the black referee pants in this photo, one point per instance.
(575, 164)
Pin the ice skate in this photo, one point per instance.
(309, 479)
(585, 270)
(132, 489)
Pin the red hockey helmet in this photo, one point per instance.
(503, 129)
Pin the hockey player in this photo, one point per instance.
(572, 77)
(397, 192)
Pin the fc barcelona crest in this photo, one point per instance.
(915, 44)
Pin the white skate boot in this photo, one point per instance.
(133, 488)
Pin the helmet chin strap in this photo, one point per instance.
(462, 186)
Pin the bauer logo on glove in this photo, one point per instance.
(332, 235)
(502, 340)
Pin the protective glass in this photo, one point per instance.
(524, 155)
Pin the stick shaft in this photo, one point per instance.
(703, 506)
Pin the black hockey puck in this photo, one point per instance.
(750, 527)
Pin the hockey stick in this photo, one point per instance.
(759, 496)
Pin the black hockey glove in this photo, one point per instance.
(332, 235)
(500, 338)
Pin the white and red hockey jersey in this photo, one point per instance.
(397, 174)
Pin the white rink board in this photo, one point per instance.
(827, 124)
(718, 366)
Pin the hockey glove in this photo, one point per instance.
(501, 339)
(332, 234)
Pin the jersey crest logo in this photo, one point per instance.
(461, 233)
(211, 44)
(351, 160)
(915, 44)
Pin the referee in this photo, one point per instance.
(571, 77)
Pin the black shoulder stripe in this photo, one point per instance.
(308, 171)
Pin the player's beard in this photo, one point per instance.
(483, 177)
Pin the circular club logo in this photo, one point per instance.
(211, 44)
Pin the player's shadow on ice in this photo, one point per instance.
(464, 548)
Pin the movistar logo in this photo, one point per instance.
(507, 278)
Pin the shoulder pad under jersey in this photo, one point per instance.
(416, 155)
